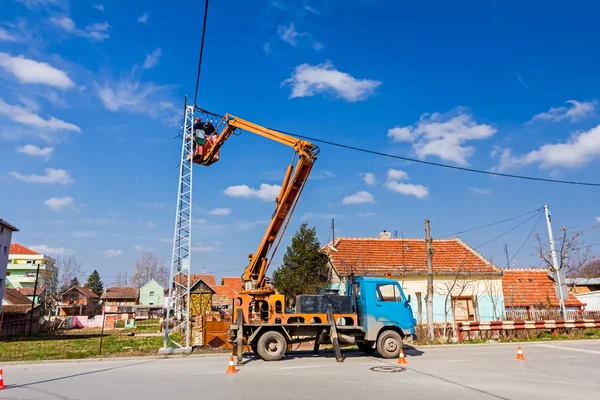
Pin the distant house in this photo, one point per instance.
(464, 281)
(583, 285)
(116, 296)
(79, 300)
(223, 297)
(531, 291)
(6, 231)
(23, 266)
(235, 283)
(152, 294)
(16, 313)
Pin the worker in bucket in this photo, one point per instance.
(201, 129)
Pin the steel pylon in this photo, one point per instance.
(179, 277)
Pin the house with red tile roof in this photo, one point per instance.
(22, 269)
(79, 300)
(464, 281)
(533, 290)
(233, 282)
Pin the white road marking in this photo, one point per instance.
(551, 346)
(302, 366)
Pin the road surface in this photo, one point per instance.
(552, 370)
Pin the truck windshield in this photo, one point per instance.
(388, 292)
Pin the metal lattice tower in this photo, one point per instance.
(179, 281)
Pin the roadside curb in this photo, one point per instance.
(453, 345)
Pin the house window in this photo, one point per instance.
(151, 294)
(1, 230)
(463, 308)
(5, 250)
(388, 292)
(151, 304)
(7, 273)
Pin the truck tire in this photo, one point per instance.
(389, 344)
(366, 347)
(253, 347)
(271, 346)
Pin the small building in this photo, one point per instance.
(466, 284)
(16, 314)
(22, 269)
(114, 298)
(223, 297)
(6, 231)
(235, 283)
(79, 301)
(583, 285)
(152, 294)
(201, 298)
(531, 294)
(13, 297)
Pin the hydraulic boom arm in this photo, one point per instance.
(291, 189)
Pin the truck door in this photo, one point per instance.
(389, 304)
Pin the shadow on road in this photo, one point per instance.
(77, 375)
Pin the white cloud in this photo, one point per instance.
(444, 135)
(288, 33)
(37, 4)
(369, 178)
(266, 192)
(19, 114)
(47, 250)
(152, 58)
(31, 71)
(359, 198)
(132, 95)
(150, 224)
(220, 211)
(408, 189)
(35, 151)
(52, 176)
(84, 234)
(598, 220)
(311, 9)
(142, 248)
(577, 110)
(366, 214)
(167, 240)
(6, 37)
(97, 31)
(479, 191)
(205, 249)
(199, 221)
(143, 19)
(98, 6)
(322, 174)
(308, 80)
(57, 204)
(112, 253)
(581, 149)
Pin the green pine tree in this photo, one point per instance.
(94, 283)
(74, 282)
(304, 269)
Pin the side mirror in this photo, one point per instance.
(408, 298)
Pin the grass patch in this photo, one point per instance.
(76, 344)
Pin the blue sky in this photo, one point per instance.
(91, 95)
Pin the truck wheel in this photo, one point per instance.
(271, 346)
(389, 344)
(253, 347)
(366, 347)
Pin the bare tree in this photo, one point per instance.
(572, 254)
(69, 270)
(454, 287)
(494, 291)
(149, 266)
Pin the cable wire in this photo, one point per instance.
(525, 241)
(201, 52)
(508, 231)
(430, 163)
(492, 224)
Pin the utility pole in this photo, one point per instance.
(429, 298)
(332, 230)
(37, 274)
(557, 270)
(507, 259)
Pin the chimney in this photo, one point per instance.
(385, 235)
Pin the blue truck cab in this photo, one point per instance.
(384, 312)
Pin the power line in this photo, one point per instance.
(508, 231)
(430, 163)
(493, 223)
(201, 51)
(586, 246)
(525, 241)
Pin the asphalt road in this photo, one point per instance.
(552, 370)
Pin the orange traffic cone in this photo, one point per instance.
(1, 380)
(520, 355)
(401, 359)
(231, 368)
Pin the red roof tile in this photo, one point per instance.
(209, 279)
(18, 308)
(532, 287)
(14, 297)
(27, 291)
(234, 283)
(371, 256)
(120, 292)
(16, 248)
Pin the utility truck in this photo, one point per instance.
(374, 313)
